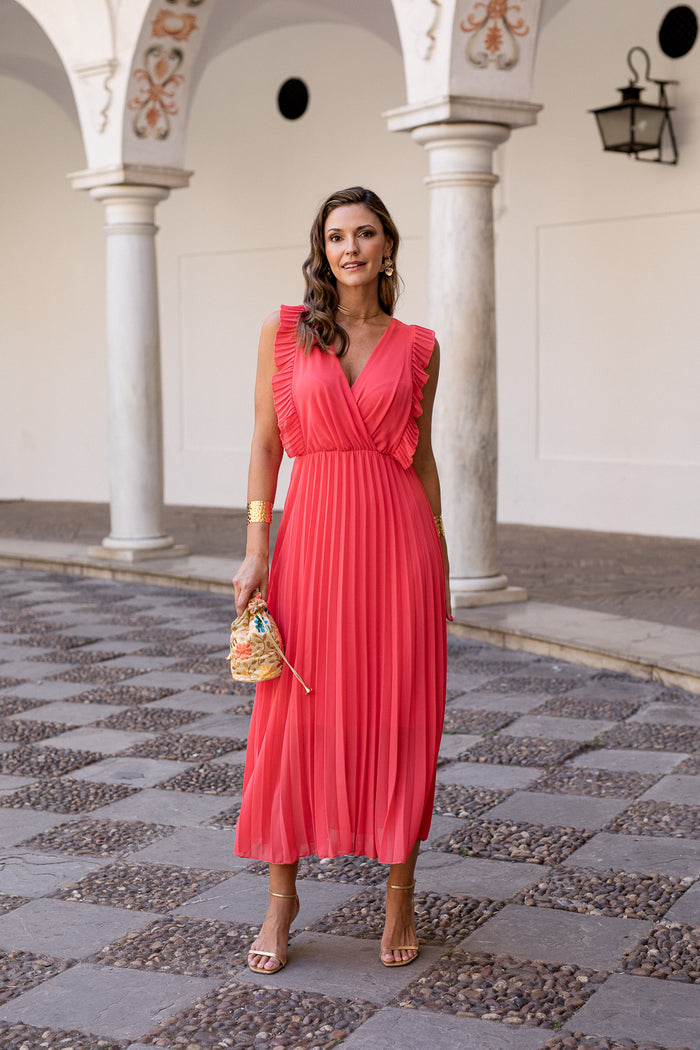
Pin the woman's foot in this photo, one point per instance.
(268, 952)
(399, 945)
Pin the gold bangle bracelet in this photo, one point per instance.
(437, 518)
(259, 510)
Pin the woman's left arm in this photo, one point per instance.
(424, 460)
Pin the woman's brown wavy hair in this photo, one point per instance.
(317, 324)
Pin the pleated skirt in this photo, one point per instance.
(357, 589)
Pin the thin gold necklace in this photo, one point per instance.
(356, 317)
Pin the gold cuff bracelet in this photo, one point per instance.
(259, 510)
(437, 518)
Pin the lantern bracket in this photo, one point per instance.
(662, 101)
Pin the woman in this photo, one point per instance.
(358, 584)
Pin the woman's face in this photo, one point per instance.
(355, 245)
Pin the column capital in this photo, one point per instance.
(434, 136)
(130, 209)
(461, 152)
(459, 109)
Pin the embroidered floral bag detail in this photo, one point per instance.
(256, 651)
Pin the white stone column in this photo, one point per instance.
(133, 347)
(462, 310)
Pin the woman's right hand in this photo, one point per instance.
(252, 575)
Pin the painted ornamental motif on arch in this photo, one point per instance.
(158, 80)
(494, 27)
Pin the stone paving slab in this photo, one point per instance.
(30, 670)
(396, 1029)
(109, 1002)
(453, 744)
(137, 772)
(669, 714)
(515, 703)
(558, 728)
(675, 788)
(121, 646)
(687, 909)
(182, 808)
(488, 775)
(244, 898)
(231, 758)
(574, 811)
(176, 680)
(557, 936)
(104, 741)
(194, 847)
(29, 874)
(221, 724)
(44, 690)
(612, 689)
(670, 856)
(17, 825)
(439, 827)
(73, 714)
(92, 628)
(625, 760)
(138, 661)
(331, 965)
(194, 700)
(646, 1010)
(10, 783)
(464, 681)
(67, 930)
(478, 877)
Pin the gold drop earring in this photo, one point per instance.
(388, 266)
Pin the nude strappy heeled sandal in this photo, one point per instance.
(400, 947)
(273, 955)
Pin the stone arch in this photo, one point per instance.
(230, 24)
(27, 53)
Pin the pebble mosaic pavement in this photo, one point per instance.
(557, 903)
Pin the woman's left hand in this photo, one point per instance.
(448, 598)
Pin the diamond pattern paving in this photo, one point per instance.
(528, 919)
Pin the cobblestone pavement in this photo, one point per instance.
(558, 904)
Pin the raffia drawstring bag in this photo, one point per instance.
(256, 649)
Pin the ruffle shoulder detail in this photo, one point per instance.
(286, 350)
(423, 342)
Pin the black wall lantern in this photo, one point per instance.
(636, 127)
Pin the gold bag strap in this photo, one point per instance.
(298, 677)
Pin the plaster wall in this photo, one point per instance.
(53, 431)
(232, 245)
(598, 312)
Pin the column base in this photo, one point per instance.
(471, 591)
(138, 550)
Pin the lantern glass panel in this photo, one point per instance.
(614, 124)
(646, 126)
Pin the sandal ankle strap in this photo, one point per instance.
(391, 886)
(283, 896)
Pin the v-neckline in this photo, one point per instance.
(382, 337)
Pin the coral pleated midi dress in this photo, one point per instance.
(357, 589)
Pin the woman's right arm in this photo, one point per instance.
(265, 458)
